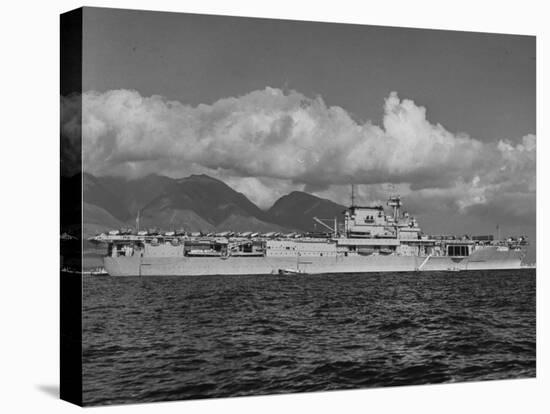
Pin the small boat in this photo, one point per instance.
(98, 271)
(290, 272)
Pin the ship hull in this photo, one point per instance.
(484, 259)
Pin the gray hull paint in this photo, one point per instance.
(483, 259)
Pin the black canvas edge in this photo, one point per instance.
(70, 371)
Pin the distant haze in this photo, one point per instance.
(446, 119)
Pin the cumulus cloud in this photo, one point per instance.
(262, 191)
(267, 133)
(267, 142)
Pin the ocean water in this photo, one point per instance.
(171, 338)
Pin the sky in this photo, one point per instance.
(446, 119)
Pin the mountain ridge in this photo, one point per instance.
(198, 202)
(298, 209)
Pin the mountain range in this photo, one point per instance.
(194, 203)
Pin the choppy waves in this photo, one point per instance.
(168, 338)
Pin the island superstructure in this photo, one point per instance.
(370, 240)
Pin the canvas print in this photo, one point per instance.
(260, 206)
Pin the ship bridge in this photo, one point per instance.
(372, 222)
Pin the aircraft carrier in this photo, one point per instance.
(370, 239)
